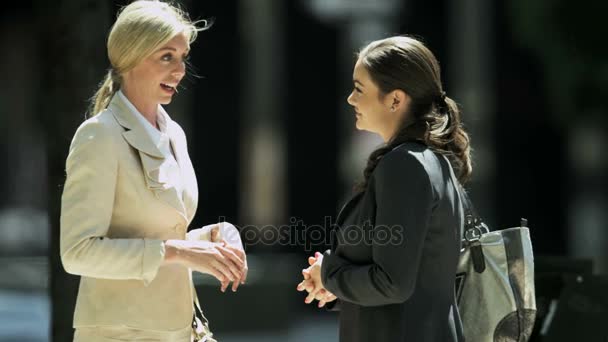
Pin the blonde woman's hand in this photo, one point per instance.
(226, 229)
(238, 251)
(226, 235)
(206, 257)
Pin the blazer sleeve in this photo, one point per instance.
(86, 211)
(404, 201)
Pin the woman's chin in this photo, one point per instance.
(359, 125)
(363, 128)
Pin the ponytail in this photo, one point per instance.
(440, 129)
(458, 147)
(109, 86)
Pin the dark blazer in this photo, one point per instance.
(395, 250)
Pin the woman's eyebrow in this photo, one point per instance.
(172, 49)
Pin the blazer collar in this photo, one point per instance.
(151, 157)
(135, 133)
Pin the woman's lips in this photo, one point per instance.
(168, 88)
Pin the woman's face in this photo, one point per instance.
(155, 79)
(372, 109)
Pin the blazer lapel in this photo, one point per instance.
(346, 209)
(173, 134)
(342, 215)
(187, 200)
(178, 145)
(151, 157)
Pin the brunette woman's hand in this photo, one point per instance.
(312, 282)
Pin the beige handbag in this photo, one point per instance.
(495, 281)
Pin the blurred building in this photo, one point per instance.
(272, 138)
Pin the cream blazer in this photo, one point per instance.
(116, 210)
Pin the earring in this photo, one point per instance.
(392, 108)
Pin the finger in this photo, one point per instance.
(305, 284)
(301, 286)
(224, 285)
(235, 285)
(309, 286)
(311, 261)
(235, 249)
(317, 254)
(229, 253)
(228, 268)
(306, 273)
(233, 262)
(245, 272)
(216, 273)
(321, 293)
(329, 297)
(238, 282)
(215, 232)
(220, 266)
(310, 297)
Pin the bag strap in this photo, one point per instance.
(473, 223)
(474, 226)
(467, 204)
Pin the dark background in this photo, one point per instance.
(272, 138)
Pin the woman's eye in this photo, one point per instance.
(167, 57)
(357, 90)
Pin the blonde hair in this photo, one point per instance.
(140, 29)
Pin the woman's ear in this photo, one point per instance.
(397, 101)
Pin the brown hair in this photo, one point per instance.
(432, 118)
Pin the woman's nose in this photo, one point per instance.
(180, 71)
(350, 99)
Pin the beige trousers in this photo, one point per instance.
(120, 333)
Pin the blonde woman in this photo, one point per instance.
(131, 193)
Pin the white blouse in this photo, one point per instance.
(169, 169)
